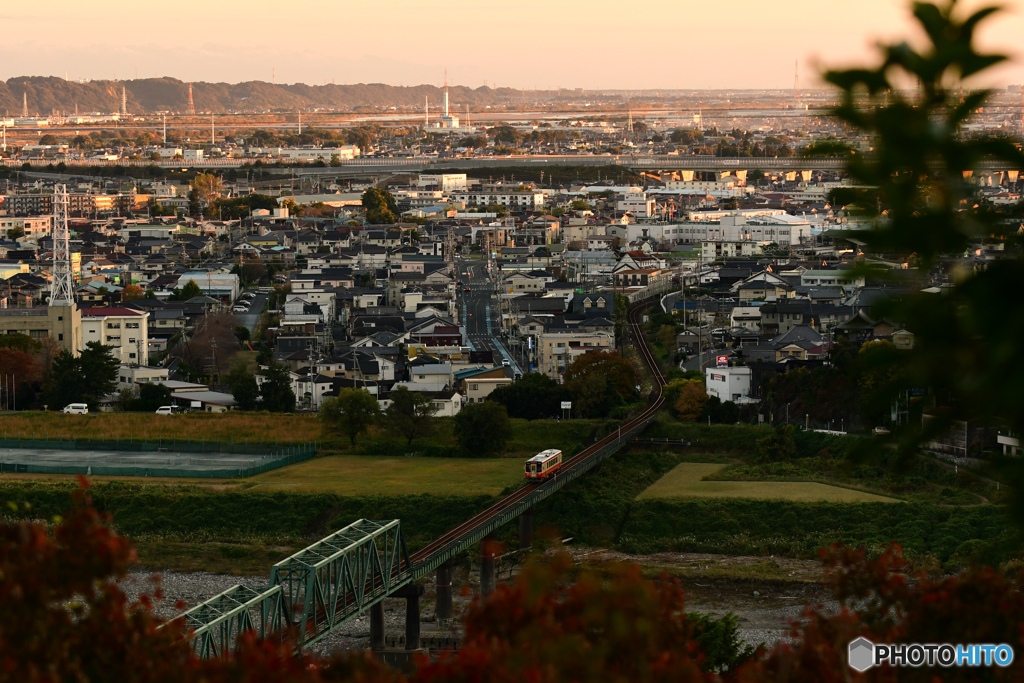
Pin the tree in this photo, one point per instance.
(276, 390)
(241, 333)
(151, 397)
(482, 429)
(611, 627)
(689, 405)
(189, 291)
(23, 371)
(600, 381)
(966, 342)
(99, 371)
(535, 396)
(886, 601)
(15, 234)
(244, 387)
(380, 206)
(410, 414)
(252, 272)
(131, 293)
(351, 413)
(777, 445)
(66, 383)
(207, 188)
(19, 342)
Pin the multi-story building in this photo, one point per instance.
(79, 204)
(557, 350)
(124, 331)
(33, 227)
(518, 200)
(448, 182)
(638, 204)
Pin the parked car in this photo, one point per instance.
(165, 410)
(76, 409)
(239, 309)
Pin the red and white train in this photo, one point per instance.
(544, 464)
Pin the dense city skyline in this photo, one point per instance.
(570, 45)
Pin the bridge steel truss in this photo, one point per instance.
(217, 623)
(340, 576)
(312, 592)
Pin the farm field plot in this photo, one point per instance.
(685, 481)
(363, 475)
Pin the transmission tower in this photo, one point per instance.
(124, 102)
(191, 104)
(24, 105)
(61, 293)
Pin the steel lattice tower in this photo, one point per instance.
(191, 105)
(61, 291)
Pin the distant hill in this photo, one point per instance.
(49, 94)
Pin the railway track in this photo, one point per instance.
(424, 555)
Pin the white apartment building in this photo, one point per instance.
(123, 330)
(447, 182)
(710, 251)
(638, 204)
(728, 384)
(557, 350)
(518, 200)
(34, 227)
(345, 152)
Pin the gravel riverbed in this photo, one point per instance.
(765, 608)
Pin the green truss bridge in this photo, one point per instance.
(351, 571)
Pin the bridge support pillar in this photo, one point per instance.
(526, 529)
(444, 596)
(487, 566)
(411, 593)
(377, 626)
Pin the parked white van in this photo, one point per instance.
(76, 409)
(165, 410)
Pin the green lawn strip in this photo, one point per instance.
(687, 480)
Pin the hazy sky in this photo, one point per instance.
(578, 43)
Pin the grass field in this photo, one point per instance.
(363, 475)
(686, 481)
(231, 427)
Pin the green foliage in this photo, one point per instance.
(189, 291)
(410, 414)
(482, 429)
(276, 393)
(599, 382)
(967, 340)
(151, 397)
(86, 378)
(241, 333)
(19, 342)
(351, 413)
(380, 206)
(777, 445)
(244, 387)
(800, 529)
(66, 381)
(686, 136)
(532, 397)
